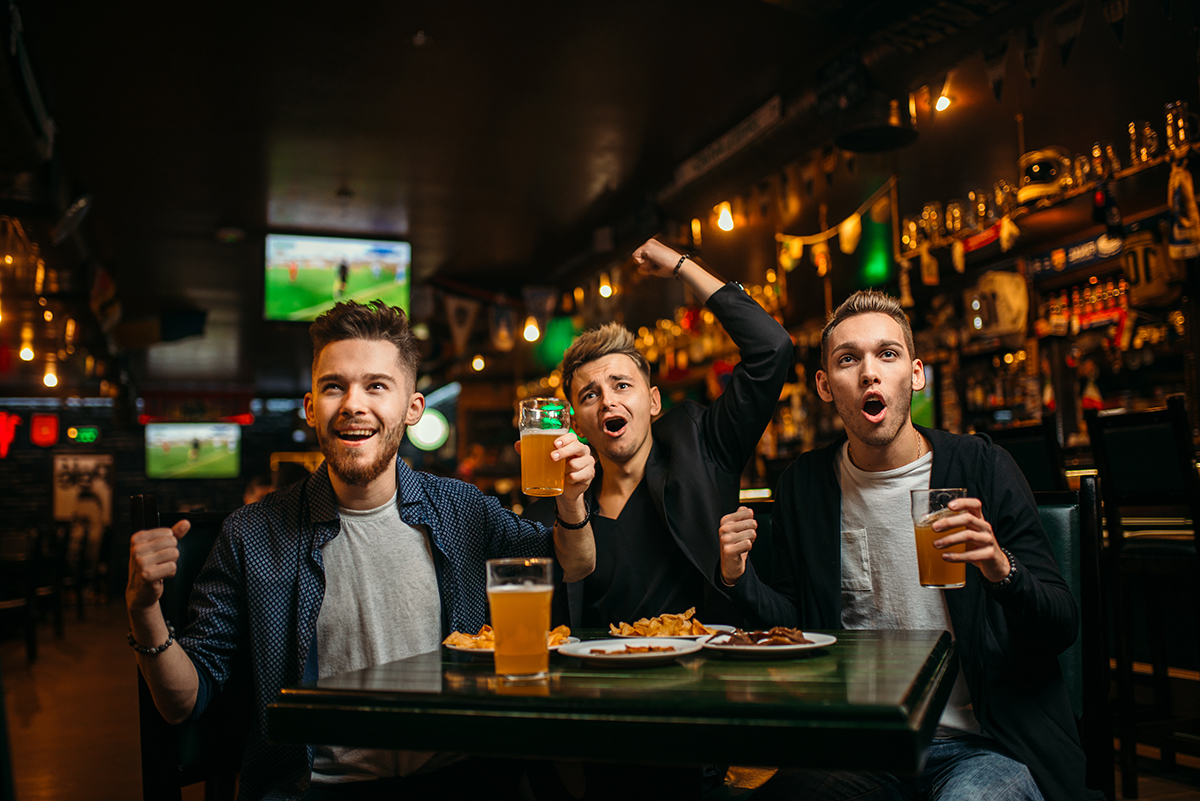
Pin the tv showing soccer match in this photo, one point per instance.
(305, 275)
(193, 450)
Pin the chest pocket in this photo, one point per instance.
(856, 561)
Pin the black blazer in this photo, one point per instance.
(698, 453)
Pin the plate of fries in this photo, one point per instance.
(625, 652)
(684, 626)
(484, 643)
(777, 643)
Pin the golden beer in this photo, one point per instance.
(540, 475)
(521, 620)
(935, 571)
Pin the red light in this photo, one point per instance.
(1099, 199)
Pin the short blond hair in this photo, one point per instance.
(608, 339)
(866, 301)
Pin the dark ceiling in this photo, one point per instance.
(493, 136)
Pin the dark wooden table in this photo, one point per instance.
(871, 701)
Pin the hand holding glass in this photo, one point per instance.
(519, 592)
(928, 506)
(542, 420)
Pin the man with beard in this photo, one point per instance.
(364, 562)
(665, 481)
(847, 559)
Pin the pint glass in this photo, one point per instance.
(542, 420)
(519, 592)
(928, 506)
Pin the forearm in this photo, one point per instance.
(702, 283)
(170, 675)
(575, 549)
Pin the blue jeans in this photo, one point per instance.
(966, 768)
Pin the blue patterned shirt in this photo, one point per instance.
(258, 596)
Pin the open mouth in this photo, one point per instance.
(614, 425)
(356, 434)
(874, 407)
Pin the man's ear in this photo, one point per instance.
(416, 408)
(309, 415)
(655, 401)
(822, 380)
(918, 381)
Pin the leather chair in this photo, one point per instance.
(208, 748)
(1036, 450)
(1072, 523)
(1151, 494)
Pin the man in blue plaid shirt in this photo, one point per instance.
(365, 562)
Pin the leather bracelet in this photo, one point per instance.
(587, 517)
(682, 259)
(1007, 580)
(154, 651)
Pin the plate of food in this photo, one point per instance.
(776, 643)
(684, 626)
(627, 652)
(484, 643)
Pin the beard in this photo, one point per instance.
(875, 436)
(353, 467)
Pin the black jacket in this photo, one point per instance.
(695, 464)
(1008, 640)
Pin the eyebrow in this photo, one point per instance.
(883, 343)
(368, 378)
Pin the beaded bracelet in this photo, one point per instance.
(682, 259)
(154, 651)
(587, 516)
(1007, 580)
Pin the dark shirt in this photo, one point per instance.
(640, 571)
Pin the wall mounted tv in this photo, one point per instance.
(193, 450)
(305, 275)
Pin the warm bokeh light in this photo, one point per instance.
(531, 330)
(50, 379)
(26, 354)
(696, 231)
(478, 363)
(942, 103)
(606, 289)
(724, 217)
(48, 315)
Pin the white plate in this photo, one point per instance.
(488, 651)
(717, 627)
(717, 643)
(611, 651)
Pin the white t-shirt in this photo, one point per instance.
(881, 588)
(381, 604)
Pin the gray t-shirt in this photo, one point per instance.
(881, 587)
(381, 604)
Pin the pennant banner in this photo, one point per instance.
(461, 312)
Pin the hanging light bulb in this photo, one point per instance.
(943, 103)
(605, 287)
(50, 379)
(724, 217)
(26, 352)
(477, 364)
(531, 329)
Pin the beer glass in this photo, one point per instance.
(927, 506)
(519, 592)
(542, 420)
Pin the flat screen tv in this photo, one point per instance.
(193, 450)
(305, 275)
(924, 403)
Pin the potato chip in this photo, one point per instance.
(667, 625)
(486, 638)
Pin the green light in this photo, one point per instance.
(876, 247)
(86, 435)
(559, 334)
